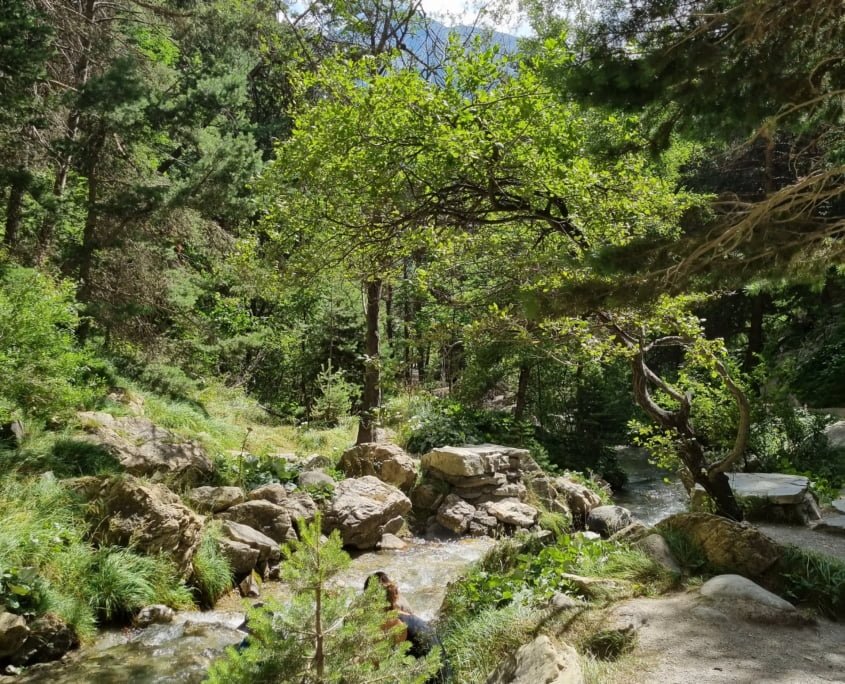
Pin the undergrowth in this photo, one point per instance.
(212, 571)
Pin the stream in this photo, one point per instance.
(183, 650)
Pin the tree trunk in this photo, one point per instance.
(522, 391)
(14, 211)
(755, 331)
(370, 395)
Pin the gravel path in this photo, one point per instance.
(804, 537)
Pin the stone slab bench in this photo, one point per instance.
(771, 496)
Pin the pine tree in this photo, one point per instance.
(323, 634)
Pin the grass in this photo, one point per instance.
(212, 572)
(477, 644)
(814, 580)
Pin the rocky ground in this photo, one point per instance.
(683, 640)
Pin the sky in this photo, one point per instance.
(452, 12)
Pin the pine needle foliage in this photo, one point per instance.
(323, 634)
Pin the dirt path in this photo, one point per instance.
(683, 640)
(804, 537)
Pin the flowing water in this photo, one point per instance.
(183, 650)
(651, 493)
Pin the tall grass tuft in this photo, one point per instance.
(212, 571)
(813, 579)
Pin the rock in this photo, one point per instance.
(455, 514)
(267, 518)
(214, 499)
(656, 548)
(250, 586)
(739, 588)
(316, 462)
(607, 520)
(242, 557)
(579, 498)
(470, 461)
(49, 639)
(769, 496)
(267, 548)
(388, 462)
(426, 497)
(839, 502)
(13, 633)
(390, 542)
(560, 601)
(147, 517)
(146, 450)
(636, 530)
(540, 662)
(364, 509)
(513, 512)
(274, 493)
(834, 524)
(154, 615)
(835, 433)
(300, 507)
(728, 545)
(315, 479)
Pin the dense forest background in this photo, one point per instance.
(626, 227)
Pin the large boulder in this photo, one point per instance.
(607, 520)
(541, 661)
(13, 633)
(146, 450)
(739, 588)
(148, 517)
(315, 479)
(300, 507)
(268, 518)
(455, 514)
(243, 535)
(656, 548)
(728, 545)
(214, 499)
(364, 509)
(388, 462)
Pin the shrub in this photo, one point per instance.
(335, 398)
(813, 579)
(169, 380)
(212, 571)
(44, 372)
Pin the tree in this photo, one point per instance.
(322, 634)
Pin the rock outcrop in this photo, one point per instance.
(49, 639)
(728, 545)
(148, 517)
(13, 633)
(388, 462)
(146, 450)
(541, 661)
(364, 509)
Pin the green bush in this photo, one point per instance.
(335, 398)
(169, 380)
(44, 372)
(212, 571)
(441, 423)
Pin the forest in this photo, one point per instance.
(270, 227)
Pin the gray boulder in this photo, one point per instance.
(388, 462)
(268, 518)
(148, 517)
(541, 661)
(157, 614)
(739, 588)
(656, 548)
(607, 520)
(146, 450)
(242, 557)
(315, 479)
(274, 493)
(469, 461)
(300, 507)
(364, 509)
(214, 499)
(49, 639)
(579, 498)
(455, 514)
(512, 512)
(266, 548)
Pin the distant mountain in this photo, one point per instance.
(428, 44)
